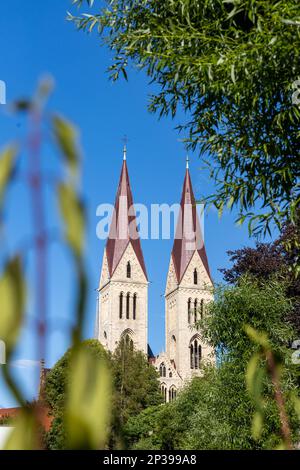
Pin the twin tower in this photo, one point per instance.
(122, 305)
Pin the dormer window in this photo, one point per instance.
(128, 270)
(195, 276)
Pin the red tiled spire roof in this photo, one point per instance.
(123, 229)
(188, 237)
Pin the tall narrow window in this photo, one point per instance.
(121, 305)
(192, 356)
(134, 306)
(128, 270)
(172, 393)
(195, 310)
(196, 362)
(199, 354)
(162, 370)
(195, 354)
(202, 308)
(127, 305)
(164, 392)
(195, 276)
(189, 310)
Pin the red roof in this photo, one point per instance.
(42, 413)
(188, 236)
(123, 229)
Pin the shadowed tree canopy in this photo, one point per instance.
(232, 66)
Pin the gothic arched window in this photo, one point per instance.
(127, 305)
(128, 342)
(128, 270)
(173, 347)
(172, 393)
(127, 339)
(202, 308)
(189, 310)
(163, 390)
(121, 305)
(195, 353)
(162, 370)
(134, 306)
(195, 276)
(195, 309)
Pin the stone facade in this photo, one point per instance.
(122, 305)
(184, 303)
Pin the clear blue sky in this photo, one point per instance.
(36, 39)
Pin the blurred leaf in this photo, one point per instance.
(22, 105)
(7, 166)
(297, 405)
(257, 425)
(25, 433)
(45, 86)
(88, 404)
(12, 295)
(73, 216)
(66, 135)
(257, 337)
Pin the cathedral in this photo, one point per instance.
(122, 304)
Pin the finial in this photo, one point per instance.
(187, 162)
(125, 140)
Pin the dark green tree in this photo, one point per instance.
(136, 387)
(232, 66)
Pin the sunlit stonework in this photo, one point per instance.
(122, 305)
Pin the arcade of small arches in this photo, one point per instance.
(168, 395)
(195, 352)
(130, 309)
(163, 371)
(195, 310)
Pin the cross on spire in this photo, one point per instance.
(187, 162)
(125, 140)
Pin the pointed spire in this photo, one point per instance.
(124, 152)
(123, 229)
(188, 237)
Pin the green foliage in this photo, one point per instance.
(266, 260)
(87, 410)
(262, 306)
(216, 411)
(77, 392)
(230, 65)
(8, 158)
(58, 379)
(135, 382)
(13, 295)
(134, 388)
(86, 427)
(66, 136)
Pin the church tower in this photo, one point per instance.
(188, 289)
(122, 306)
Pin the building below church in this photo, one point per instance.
(122, 304)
